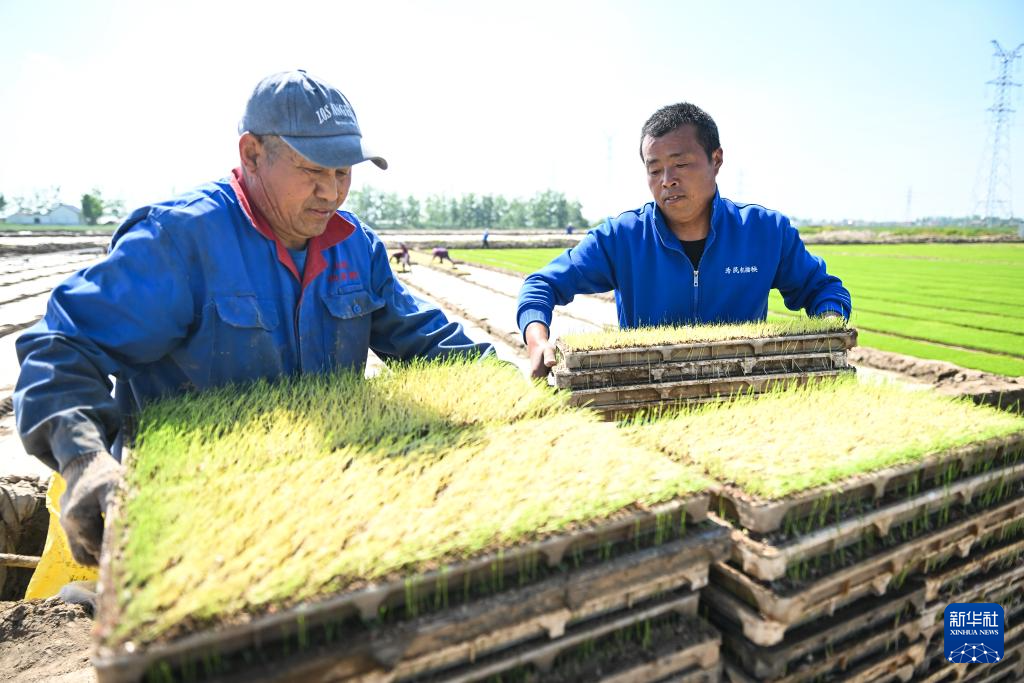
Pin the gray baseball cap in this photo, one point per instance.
(314, 119)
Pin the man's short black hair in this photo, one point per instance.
(667, 119)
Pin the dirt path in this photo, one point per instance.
(484, 293)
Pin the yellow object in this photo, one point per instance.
(56, 567)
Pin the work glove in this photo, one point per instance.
(91, 479)
(80, 593)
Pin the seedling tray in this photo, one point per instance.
(963, 569)
(495, 624)
(649, 395)
(449, 635)
(872, 576)
(603, 378)
(732, 348)
(888, 666)
(694, 675)
(838, 665)
(766, 516)
(541, 655)
(769, 562)
(830, 643)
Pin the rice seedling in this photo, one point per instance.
(788, 441)
(689, 334)
(244, 500)
(801, 573)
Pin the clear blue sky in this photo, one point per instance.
(826, 109)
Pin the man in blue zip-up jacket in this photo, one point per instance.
(256, 276)
(689, 257)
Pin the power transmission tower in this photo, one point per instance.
(999, 191)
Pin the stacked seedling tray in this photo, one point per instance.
(845, 500)
(622, 371)
(439, 522)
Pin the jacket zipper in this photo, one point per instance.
(298, 337)
(695, 274)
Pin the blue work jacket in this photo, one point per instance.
(198, 292)
(749, 251)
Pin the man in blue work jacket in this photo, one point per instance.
(690, 256)
(255, 276)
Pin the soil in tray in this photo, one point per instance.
(801, 574)
(640, 643)
(425, 599)
(829, 510)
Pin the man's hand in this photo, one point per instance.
(541, 350)
(91, 480)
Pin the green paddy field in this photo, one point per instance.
(962, 303)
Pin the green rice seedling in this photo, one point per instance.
(901, 576)
(245, 500)
(789, 441)
(315, 416)
(689, 334)
(1011, 530)
(915, 485)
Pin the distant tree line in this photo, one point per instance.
(548, 209)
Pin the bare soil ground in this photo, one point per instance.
(947, 378)
(45, 640)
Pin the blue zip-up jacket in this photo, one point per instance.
(749, 251)
(198, 292)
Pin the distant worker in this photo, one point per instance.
(258, 275)
(568, 229)
(486, 235)
(401, 257)
(689, 257)
(441, 253)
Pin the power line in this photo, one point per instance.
(999, 191)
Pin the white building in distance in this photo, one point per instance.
(61, 214)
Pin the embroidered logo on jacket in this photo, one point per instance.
(342, 273)
(735, 270)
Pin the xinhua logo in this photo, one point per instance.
(974, 633)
